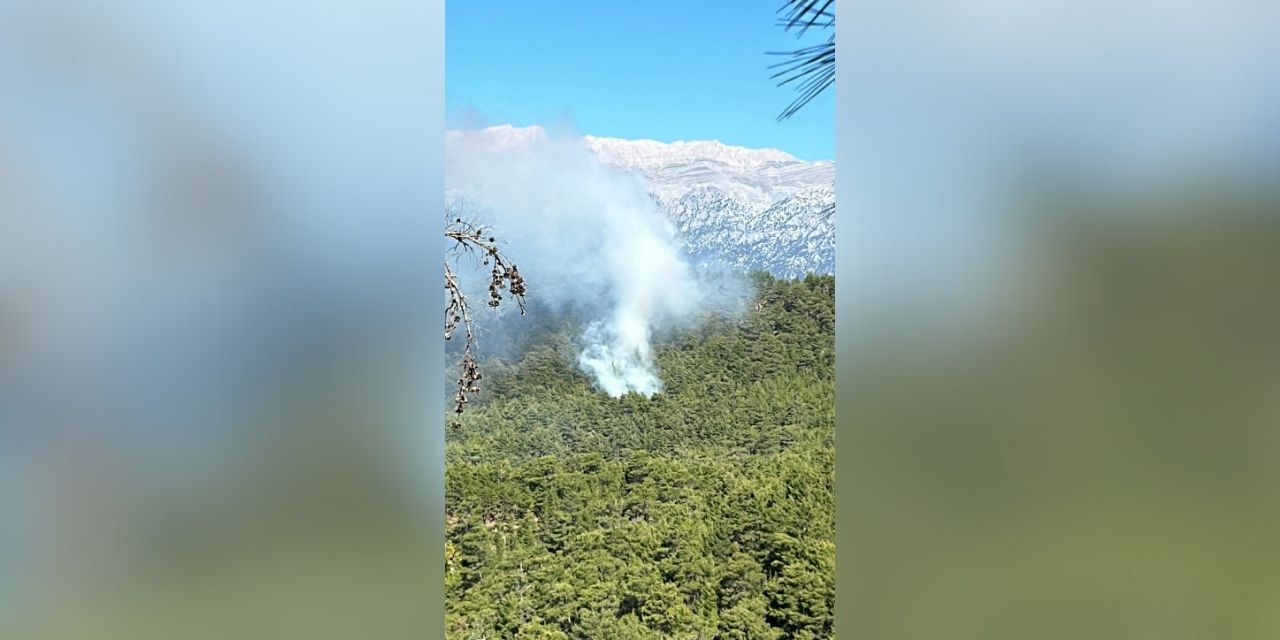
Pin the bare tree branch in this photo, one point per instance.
(472, 239)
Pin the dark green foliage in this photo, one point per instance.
(706, 511)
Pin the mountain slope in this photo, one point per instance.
(735, 207)
(742, 208)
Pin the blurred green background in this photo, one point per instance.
(1097, 459)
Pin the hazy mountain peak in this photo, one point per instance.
(503, 135)
(652, 154)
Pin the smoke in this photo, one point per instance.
(587, 238)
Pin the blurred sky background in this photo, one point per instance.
(953, 111)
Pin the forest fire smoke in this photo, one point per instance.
(589, 238)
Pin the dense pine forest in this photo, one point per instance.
(706, 511)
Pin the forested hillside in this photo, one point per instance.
(706, 511)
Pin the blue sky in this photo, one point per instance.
(660, 69)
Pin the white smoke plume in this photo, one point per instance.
(586, 237)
